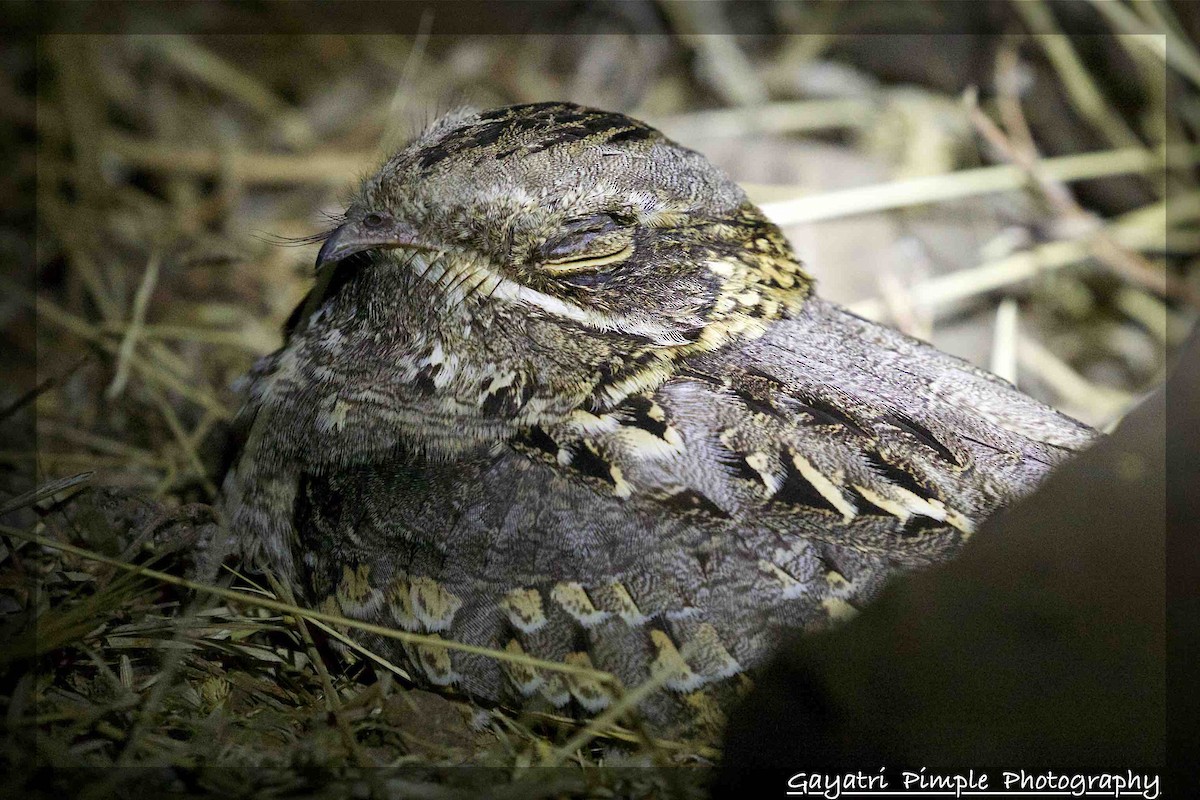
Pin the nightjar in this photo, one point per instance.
(565, 392)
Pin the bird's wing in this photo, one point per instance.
(828, 425)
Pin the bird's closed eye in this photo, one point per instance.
(587, 245)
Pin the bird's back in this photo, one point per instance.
(766, 487)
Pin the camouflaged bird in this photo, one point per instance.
(567, 393)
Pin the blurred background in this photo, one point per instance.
(1012, 181)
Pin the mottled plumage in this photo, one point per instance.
(568, 393)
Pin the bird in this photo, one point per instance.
(562, 395)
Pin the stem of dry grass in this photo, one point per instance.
(1004, 340)
(294, 610)
(1145, 228)
(193, 59)
(796, 116)
(137, 319)
(1166, 39)
(1123, 261)
(970, 183)
(149, 370)
(1081, 87)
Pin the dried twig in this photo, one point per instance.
(333, 619)
(185, 443)
(330, 168)
(1074, 389)
(1106, 248)
(48, 489)
(796, 116)
(1144, 228)
(136, 319)
(50, 312)
(1081, 87)
(968, 183)
(1165, 39)
(1004, 340)
(202, 63)
(722, 62)
(44, 386)
(391, 137)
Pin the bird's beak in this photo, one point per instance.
(373, 232)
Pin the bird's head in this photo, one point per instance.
(516, 264)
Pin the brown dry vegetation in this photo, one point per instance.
(1004, 197)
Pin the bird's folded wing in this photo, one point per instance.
(829, 426)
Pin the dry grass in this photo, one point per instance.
(168, 167)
